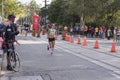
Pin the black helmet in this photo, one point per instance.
(11, 16)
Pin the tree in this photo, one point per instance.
(32, 8)
(58, 13)
(93, 11)
(28, 10)
(11, 6)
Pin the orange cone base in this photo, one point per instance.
(96, 47)
(113, 51)
(113, 48)
(84, 44)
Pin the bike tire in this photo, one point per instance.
(15, 61)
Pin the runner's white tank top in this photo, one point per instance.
(52, 31)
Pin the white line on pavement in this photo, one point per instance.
(115, 70)
(117, 76)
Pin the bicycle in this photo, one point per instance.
(13, 55)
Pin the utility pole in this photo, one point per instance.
(2, 10)
(26, 14)
(45, 3)
(45, 12)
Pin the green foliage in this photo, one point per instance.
(58, 12)
(22, 11)
(27, 12)
(11, 6)
(104, 12)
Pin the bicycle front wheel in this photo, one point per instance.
(15, 61)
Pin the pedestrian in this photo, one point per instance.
(92, 32)
(101, 32)
(114, 33)
(52, 35)
(26, 29)
(1, 29)
(71, 31)
(85, 30)
(96, 32)
(118, 34)
(108, 33)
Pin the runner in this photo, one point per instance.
(52, 35)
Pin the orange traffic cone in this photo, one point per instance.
(78, 40)
(66, 37)
(72, 39)
(69, 38)
(85, 42)
(113, 48)
(96, 44)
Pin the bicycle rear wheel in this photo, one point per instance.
(15, 61)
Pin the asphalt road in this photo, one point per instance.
(70, 61)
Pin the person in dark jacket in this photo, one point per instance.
(10, 30)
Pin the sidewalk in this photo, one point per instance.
(91, 41)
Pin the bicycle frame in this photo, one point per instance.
(9, 47)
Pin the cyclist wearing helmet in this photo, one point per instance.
(10, 31)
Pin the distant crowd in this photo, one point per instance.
(99, 31)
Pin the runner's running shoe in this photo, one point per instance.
(51, 53)
(48, 47)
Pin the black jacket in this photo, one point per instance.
(10, 32)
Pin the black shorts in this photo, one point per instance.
(5, 47)
(51, 39)
(26, 30)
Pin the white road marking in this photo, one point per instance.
(22, 78)
(117, 76)
(115, 70)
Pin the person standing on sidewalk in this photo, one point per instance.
(96, 32)
(118, 34)
(85, 30)
(108, 33)
(10, 31)
(52, 35)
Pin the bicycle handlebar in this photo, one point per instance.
(17, 42)
(13, 41)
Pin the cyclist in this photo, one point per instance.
(10, 30)
(52, 35)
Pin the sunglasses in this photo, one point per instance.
(12, 16)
